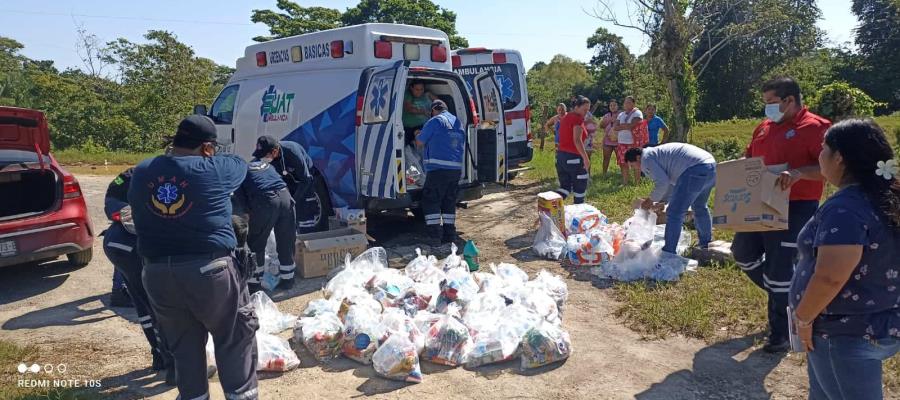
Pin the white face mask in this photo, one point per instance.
(266, 160)
(774, 113)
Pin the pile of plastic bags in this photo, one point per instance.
(435, 311)
(626, 252)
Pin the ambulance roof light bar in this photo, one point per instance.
(409, 39)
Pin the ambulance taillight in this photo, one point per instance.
(457, 61)
(383, 49)
(474, 111)
(499, 58)
(337, 49)
(359, 110)
(261, 59)
(438, 54)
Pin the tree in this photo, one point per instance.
(878, 41)
(675, 27)
(12, 82)
(555, 82)
(612, 64)
(839, 101)
(297, 20)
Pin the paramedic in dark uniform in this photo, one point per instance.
(269, 205)
(120, 246)
(790, 134)
(572, 160)
(293, 164)
(181, 205)
(444, 140)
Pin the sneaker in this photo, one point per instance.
(776, 345)
(285, 284)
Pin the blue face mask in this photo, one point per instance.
(774, 113)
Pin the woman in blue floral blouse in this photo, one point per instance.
(846, 289)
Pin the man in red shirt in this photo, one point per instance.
(572, 161)
(791, 135)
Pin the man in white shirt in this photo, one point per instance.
(628, 119)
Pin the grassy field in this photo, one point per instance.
(74, 157)
(11, 356)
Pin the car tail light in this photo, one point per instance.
(528, 113)
(359, 110)
(71, 189)
(337, 49)
(383, 49)
(438, 54)
(529, 137)
(474, 111)
(457, 61)
(261, 59)
(499, 58)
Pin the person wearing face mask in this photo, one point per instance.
(791, 135)
(293, 164)
(572, 160)
(181, 208)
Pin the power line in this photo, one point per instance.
(122, 17)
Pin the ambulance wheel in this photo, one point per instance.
(323, 201)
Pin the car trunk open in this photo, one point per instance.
(28, 183)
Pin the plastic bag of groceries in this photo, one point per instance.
(398, 359)
(447, 341)
(274, 354)
(484, 311)
(512, 275)
(581, 218)
(635, 262)
(356, 272)
(415, 174)
(389, 287)
(424, 269)
(271, 268)
(640, 227)
(322, 335)
(454, 260)
(360, 334)
(553, 285)
(537, 301)
(459, 287)
(488, 282)
(684, 240)
(425, 319)
(500, 340)
(549, 242)
(321, 306)
(395, 322)
(270, 319)
(545, 344)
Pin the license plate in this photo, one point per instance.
(7, 248)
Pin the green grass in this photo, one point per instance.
(78, 157)
(11, 355)
(742, 129)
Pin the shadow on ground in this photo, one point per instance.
(23, 281)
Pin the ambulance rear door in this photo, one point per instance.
(379, 131)
(491, 131)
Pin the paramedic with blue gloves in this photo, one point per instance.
(120, 246)
(269, 206)
(181, 205)
(444, 140)
(293, 164)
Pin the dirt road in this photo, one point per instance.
(64, 312)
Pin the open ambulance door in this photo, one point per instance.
(491, 131)
(379, 132)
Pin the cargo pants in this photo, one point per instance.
(272, 210)
(439, 203)
(573, 178)
(193, 295)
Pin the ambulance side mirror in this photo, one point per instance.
(200, 109)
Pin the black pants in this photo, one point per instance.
(573, 178)
(128, 265)
(768, 259)
(439, 202)
(272, 210)
(193, 295)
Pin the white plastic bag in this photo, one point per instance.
(512, 275)
(641, 226)
(581, 218)
(396, 322)
(684, 240)
(358, 271)
(586, 249)
(545, 344)
(321, 306)
(447, 341)
(415, 174)
(539, 302)
(488, 282)
(398, 359)
(548, 241)
(459, 287)
(360, 334)
(453, 260)
(274, 354)
(270, 319)
(389, 287)
(424, 269)
(500, 341)
(553, 285)
(322, 335)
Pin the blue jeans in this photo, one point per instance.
(848, 367)
(691, 190)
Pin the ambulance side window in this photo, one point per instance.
(223, 108)
(378, 98)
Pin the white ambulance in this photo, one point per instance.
(509, 71)
(339, 93)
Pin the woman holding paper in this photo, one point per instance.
(845, 294)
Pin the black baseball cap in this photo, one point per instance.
(265, 145)
(438, 105)
(197, 128)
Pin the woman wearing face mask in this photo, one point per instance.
(846, 289)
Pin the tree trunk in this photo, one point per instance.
(672, 50)
(680, 123)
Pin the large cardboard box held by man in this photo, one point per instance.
(317, 253)
(747, 199)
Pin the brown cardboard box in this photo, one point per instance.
(317, 253)
(747, 199)
(551, 203)
(335, 223)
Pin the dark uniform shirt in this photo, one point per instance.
(261, 178)
(869, 303)
(293, 165)
(181, 205)
(116, 199)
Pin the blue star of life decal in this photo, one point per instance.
(167, 193)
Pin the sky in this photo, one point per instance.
(221, 29)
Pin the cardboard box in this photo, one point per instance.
(747, 199)
(551, 203)
(334, 223)
(317, 253)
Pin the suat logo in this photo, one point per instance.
(276, 105)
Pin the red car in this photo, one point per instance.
(42, 211)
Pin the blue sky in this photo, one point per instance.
(220, 30)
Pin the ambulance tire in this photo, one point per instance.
(324, 201)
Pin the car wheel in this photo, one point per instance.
(321, 202)
(81, 258)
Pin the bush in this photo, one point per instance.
(839, 101)
(724, 149)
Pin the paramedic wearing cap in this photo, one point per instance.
(181, 208)
(572, 161)
(789, 135)
(270, 206)
(444, 140)
(293, 163)
(120, 247)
